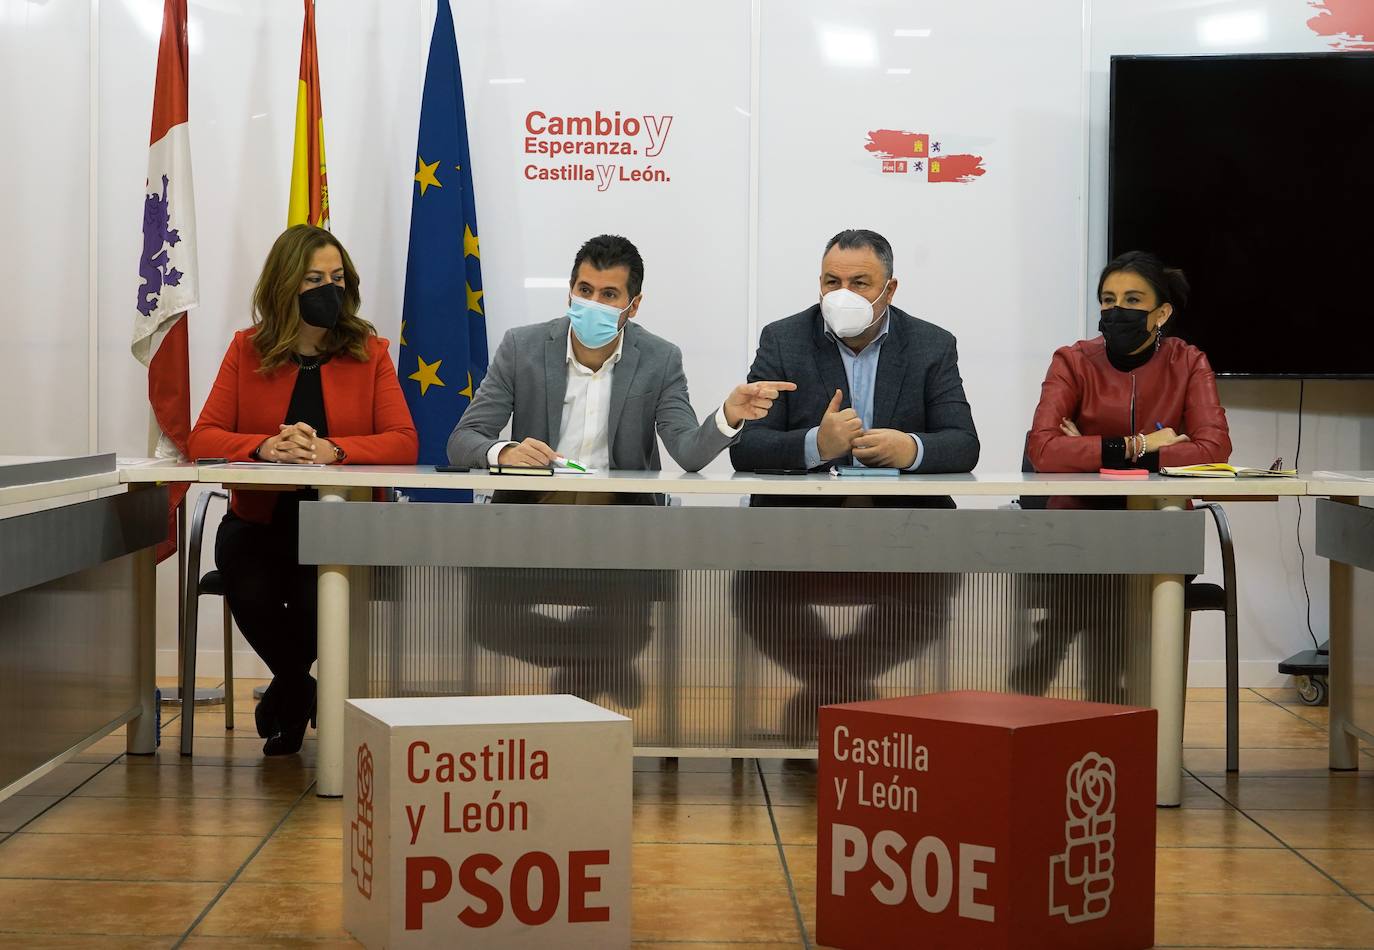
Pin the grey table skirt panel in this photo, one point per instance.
(69, 625)
(900, 540)
(724, 628)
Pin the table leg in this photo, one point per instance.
(141, 735)
(333, 637)
(1168, 662)
(1343, 748)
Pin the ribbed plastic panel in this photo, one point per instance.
(718, 660)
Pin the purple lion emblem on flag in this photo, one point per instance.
(153, 265)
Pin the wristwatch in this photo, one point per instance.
(339, 454)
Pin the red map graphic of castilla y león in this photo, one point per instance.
(925, 155)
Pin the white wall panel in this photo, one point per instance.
(638, 59)
(44, 219)
(997, 260)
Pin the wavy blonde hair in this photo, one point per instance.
(276, 304)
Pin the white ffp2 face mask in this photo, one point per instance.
(848, 314)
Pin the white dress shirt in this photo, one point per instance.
(584, 429)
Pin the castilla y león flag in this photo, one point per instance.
(309, 202)
(167, 262)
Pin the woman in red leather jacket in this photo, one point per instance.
(1133, 397)
(310, 382)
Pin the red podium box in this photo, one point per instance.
(987, 820)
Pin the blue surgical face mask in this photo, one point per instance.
(595, 324)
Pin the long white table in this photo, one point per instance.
(38, 478)
(336, 477)
(355, 482)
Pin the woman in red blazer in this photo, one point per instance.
(310, 382)
(1133, 397)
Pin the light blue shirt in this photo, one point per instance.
(861, 369)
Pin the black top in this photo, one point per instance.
(1127, 362)
(307, 405)
(307, 398)
(1114, 450)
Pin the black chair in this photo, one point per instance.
(1196, 598)
(198, 585)
(1199, 597)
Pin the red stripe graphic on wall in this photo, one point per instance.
(1348, 23)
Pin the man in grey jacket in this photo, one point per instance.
(595, 387)
(875, 387)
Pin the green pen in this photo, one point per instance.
(570, 463)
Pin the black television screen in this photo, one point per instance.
(1255, 174)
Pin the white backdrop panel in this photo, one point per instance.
(44, 200)
(997, 260)
(644, 61)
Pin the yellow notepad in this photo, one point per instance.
(1225, 470)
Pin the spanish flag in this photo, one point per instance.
(309, 186)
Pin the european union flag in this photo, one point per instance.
(443, 354)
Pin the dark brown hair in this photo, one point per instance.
(276, 305)
(1169, 283)
(606, 251)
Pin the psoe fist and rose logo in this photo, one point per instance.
(1083, 877)
(360, 856)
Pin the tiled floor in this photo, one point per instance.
(233, 850)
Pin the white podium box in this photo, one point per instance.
(493, 821)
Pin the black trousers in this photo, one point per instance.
(610, 622)
(1091, 623)
(593, 650)
(777, 610)
(271, 596)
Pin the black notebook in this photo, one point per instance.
(499, 469)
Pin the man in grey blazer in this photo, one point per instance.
(875, 387)
(595, 387)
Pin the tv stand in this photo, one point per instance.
(1310, 667)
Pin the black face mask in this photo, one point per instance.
(323, 306)
(1125, 330)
